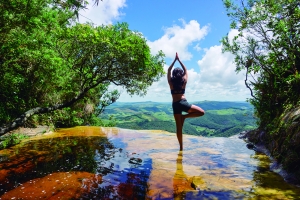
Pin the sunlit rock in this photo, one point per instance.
(138, 165)
(61, 185)
(198, 183)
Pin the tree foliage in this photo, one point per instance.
(51, 63)
(267, 46)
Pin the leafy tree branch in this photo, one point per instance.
(49, 62)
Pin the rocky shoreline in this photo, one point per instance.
(252, 138)
(254, 142)
(31, 132)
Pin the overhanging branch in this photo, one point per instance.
(247, 67)
(38, 110)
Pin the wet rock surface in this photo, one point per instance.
(112, 163)
(59, 185)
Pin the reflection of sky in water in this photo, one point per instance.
(92, 154)
(119, 166)
(123, 167)
(226, 154)
(148, 165)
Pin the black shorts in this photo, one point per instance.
(181, 105)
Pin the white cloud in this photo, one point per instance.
(159, 91)
(102, 14)
(199, 88)
(197, 47)
(215, 79)
(177, 38)
(217, 67)
(232, 33)
(218, 75)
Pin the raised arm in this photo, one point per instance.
(170, 69)
(184, 68)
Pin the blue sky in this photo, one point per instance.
(192, 28)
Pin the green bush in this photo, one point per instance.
(11, 140)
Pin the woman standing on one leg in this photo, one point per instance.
(177, 83)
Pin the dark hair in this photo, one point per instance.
(177, 78)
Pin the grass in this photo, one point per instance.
(200, 128)
(221, 119)
(249, 127)
(229, 111)
(162, 116)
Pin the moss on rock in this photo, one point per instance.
(283, 143)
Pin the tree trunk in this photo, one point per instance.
(24, 117)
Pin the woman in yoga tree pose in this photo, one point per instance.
(177, 83)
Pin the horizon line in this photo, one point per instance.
(245, 101)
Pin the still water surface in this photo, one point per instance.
(112, 163)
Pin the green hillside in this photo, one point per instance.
(220, 119)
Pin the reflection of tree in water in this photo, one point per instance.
(128, 181)
(39, 158)
(267, 180)
(134, 187)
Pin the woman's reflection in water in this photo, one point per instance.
(180, 180)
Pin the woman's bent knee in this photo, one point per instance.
(199, 113)
(196, 109)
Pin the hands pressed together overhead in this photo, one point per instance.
(171, 66)
(176, 57)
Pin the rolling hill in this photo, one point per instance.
(221, 118)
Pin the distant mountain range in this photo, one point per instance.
(221, 118)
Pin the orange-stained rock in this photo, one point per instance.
(77, 131)
(218, 168)
(3, 175)
(60, 185)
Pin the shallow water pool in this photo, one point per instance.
(113, 163)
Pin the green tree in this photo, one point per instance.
(51, 63)
(267, 46)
